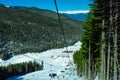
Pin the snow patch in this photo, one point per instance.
(75, 12)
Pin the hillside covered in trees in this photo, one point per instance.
(99, 53)
(24, 29)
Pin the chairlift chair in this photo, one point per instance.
(52, 73)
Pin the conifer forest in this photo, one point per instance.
(100, 51)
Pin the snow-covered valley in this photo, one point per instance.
(57, 61)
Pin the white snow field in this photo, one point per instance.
(56, 61)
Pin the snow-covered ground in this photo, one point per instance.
(55, 61)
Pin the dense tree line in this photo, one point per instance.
(90, 50)
(98, 55)
(19, 69)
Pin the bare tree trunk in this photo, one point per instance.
(115, 46)
(111, 70)
(89, 68)
(108, 61)
(109, 45)
(115, 55)
(119, 72)
(102, 72)
(85, 69)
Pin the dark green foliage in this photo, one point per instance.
(92, 32)
(5, 56)
(79, 61)
(4, 33)
(100, 42)
(32, 31)
(19, 69)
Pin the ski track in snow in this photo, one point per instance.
(54, 60)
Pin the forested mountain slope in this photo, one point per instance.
(34, 30)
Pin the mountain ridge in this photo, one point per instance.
(77, 16)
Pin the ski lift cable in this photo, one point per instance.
(60, 22)
(61, 26)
